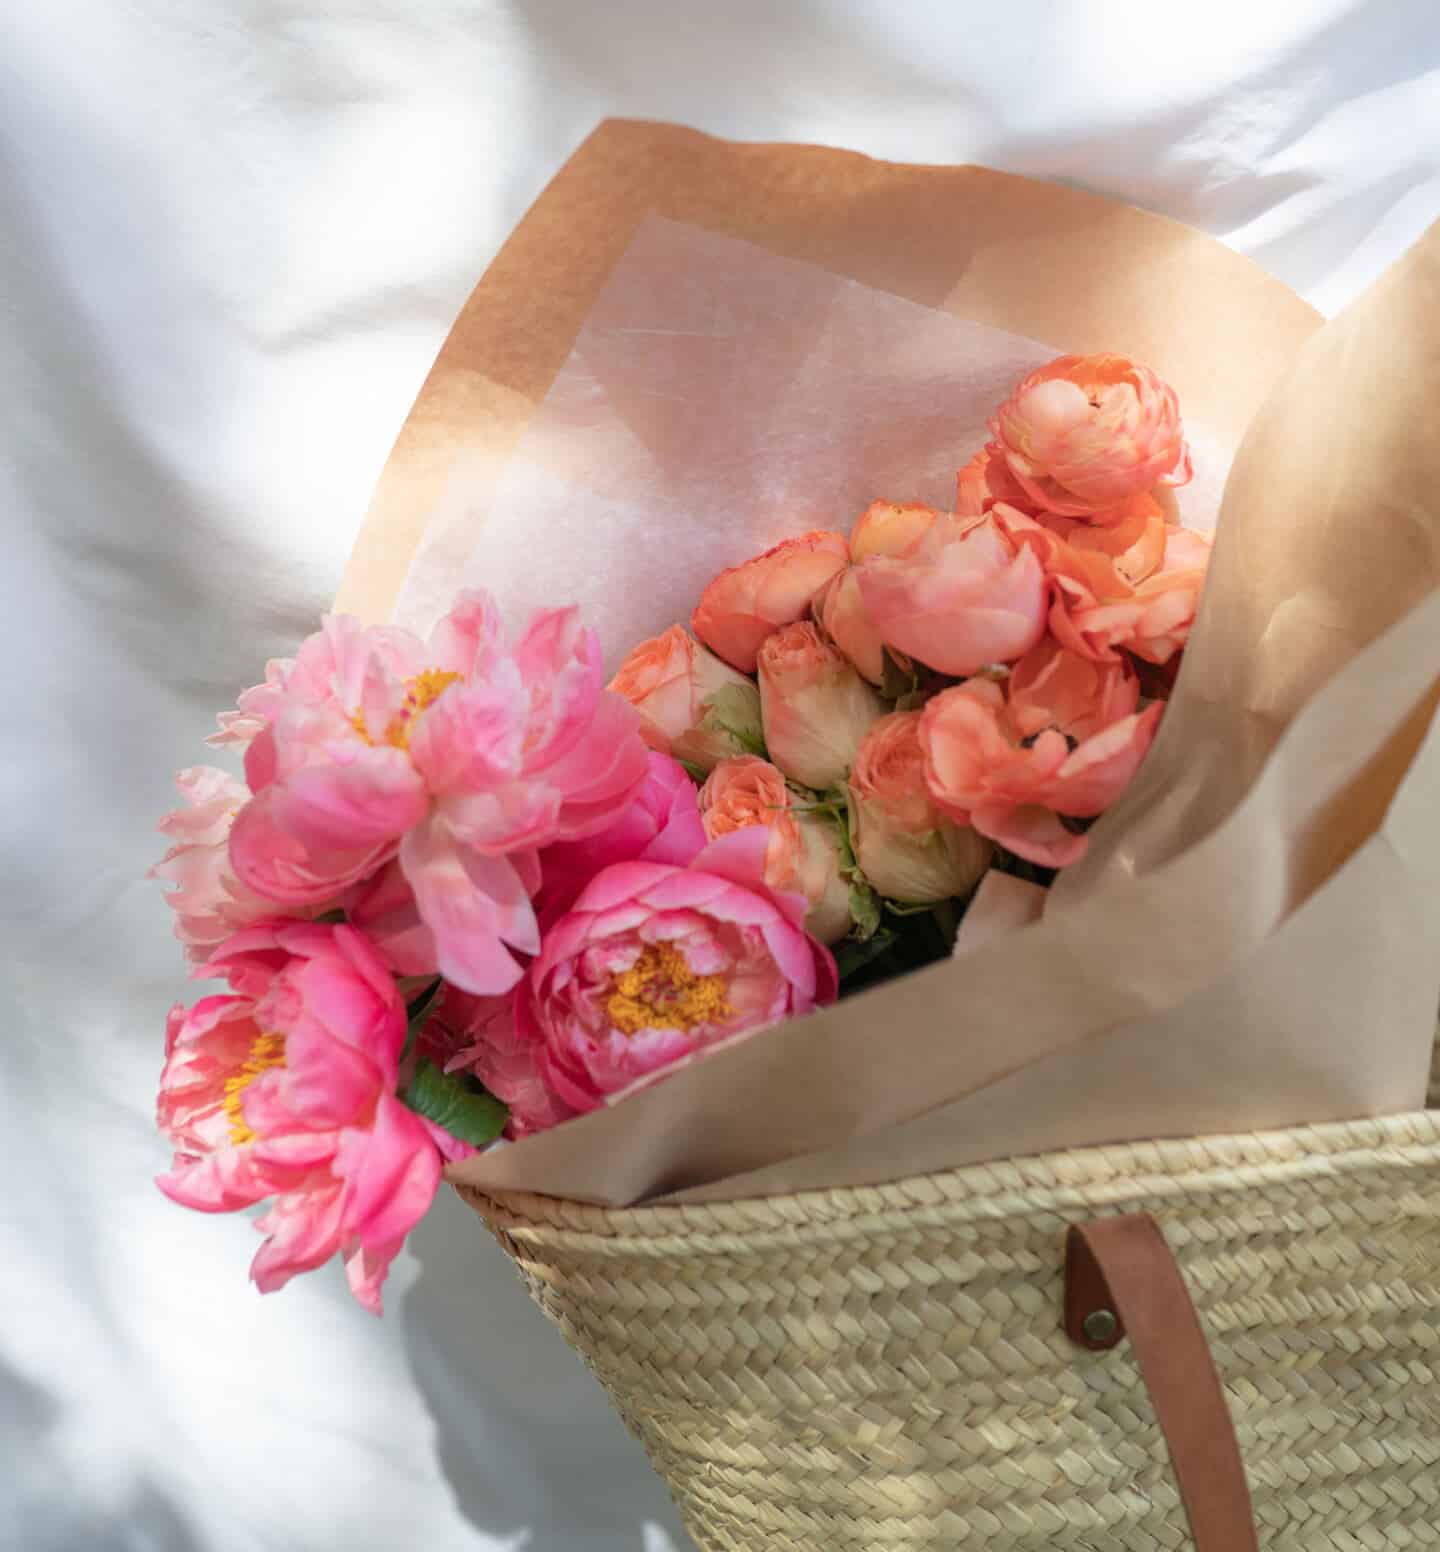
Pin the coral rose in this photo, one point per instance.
(814, 705)
(285, 1089)
(890, 528)
(966, 596)
(802, 849)
(985, 480)
(656, 962)
(461, 757)
(1135, 585)
(848, 624)
(691, 705)
(907, 849)
(1062, 738)
(743, 605)
(1084, 432)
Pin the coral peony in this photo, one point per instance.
(815, 707)
(1062, 737)
(906, 847)
(966, 596)
(656, 962)
(691, 704)
(285, 1089)
(743, 605)
(461, 757)
(1084, 432)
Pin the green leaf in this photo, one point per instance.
(864, 911)
(331, 918)
(457, 1103)
(417, 1010)
(697, 773)
(898, 908)
(852, 956)
(734, 710)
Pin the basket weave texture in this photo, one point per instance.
(883, 1367)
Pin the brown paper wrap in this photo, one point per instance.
(1254, 941)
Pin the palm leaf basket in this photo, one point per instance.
(885, 1366)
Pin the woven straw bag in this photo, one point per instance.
(886, 1366)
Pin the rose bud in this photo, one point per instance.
(814, 705)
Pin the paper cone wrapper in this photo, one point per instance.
(690, 349)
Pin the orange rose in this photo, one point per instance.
(802, 853)
(1084, 432)
(985, 480)
(745, 604)
(890, 528)
(1061, 738)
(691, 705)
(814, 706)
(1134, 585)
(848, 624)
(965, 596)
(907, 849)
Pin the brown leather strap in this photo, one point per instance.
(1120, 1278)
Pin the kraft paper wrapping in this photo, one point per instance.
(1255, 939)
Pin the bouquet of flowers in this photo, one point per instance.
(467, 891)
(798, 870)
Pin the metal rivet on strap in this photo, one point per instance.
(1100, 1325)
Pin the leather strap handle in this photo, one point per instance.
(1120, 1278)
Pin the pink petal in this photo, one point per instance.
(277, 865)
(470, 903)
(370, 800)
(392, 1170)
(303, 1230)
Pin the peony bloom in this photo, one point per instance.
(656, 962)
(1062, 738)
(662, 823)
(743, 605)
(802, 849)
(482, 1038)
(208, 900)
(814, 705)
(907, 849)
(968, 595)
(691, 704)
(285, 1089)
(1085, 432)
(460, 758)
(890, 528)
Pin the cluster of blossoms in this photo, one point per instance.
(466, 887)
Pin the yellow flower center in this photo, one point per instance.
(421, 692)
(661, 991)
(266, 1051)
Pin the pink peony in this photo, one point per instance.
(1062, 738)
(815, 707)
(691, 704)
(802, 849)
(906, 847)
(460, 758)
(208, 900)
(656, 962)
(662, 823)
(1084, 432)
(285, 1089)
(966, 596)
(743, 605)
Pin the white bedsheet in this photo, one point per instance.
(232, 236)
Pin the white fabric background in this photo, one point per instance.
(232, 236)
